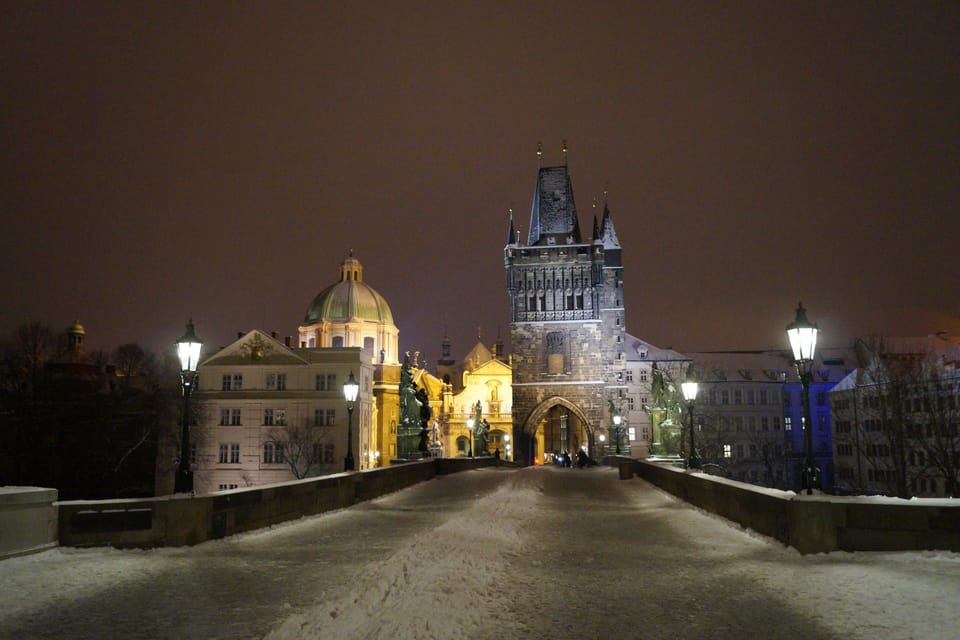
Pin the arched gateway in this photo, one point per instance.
(555, 426)
(567, 325)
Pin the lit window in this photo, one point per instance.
(727, 451)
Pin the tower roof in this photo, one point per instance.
(553, 216)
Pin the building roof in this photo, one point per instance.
(641, 350)
(349, 300)
(553, 216)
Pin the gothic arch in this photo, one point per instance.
(533, 420)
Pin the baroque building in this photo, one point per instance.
(567, 328)
(272, 410)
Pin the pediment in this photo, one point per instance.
(254, 348)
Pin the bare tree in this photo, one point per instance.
(299, 446)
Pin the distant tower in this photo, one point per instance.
(75, 337)
(567, 324)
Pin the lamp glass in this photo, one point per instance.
(689, 389)
(351, 388)
(803, 336)
(188, 350)
(617, 419)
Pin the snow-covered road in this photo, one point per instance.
(496, 553)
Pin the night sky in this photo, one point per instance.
(218, 160)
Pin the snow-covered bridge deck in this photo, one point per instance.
(494, 553)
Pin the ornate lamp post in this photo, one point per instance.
(471, 423)
(188, 350)
(617, 419)
(689, 389)
(803, 340)
(350, 390)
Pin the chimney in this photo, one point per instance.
(273, 334)
(239, 334)
(288, 341)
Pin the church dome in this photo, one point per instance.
(349, 300)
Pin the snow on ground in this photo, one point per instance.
(534, 553)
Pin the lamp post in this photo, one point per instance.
(617, 419)
(470, 425)
(350, 390)
(506, 446)
(689, 389)
(803, 341)
(188, 350)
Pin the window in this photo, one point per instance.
(764, 423)
(762, 396)
(822, 423)
(629, 375)
(643, 376)
(229, 453)
(737, 396)
(326, 382)
(235, 417)
(739, 451)
(224, 417)
(328, 453)
(787, 423)
(821, 398)
(632, 433)
(727, 451)
(331, 419)
(280, 416)
(277, 381)
(226, 487)
(630, 403)
(268, 417)
(268, 453)
(724, 397)
(749, 396)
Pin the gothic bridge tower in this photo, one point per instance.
(567, 325)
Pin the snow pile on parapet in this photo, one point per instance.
(411, 594)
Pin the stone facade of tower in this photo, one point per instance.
(567, 328)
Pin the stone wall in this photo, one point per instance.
(28, 520)
(186, 520)
(813, 524)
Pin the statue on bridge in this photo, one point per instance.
(409, 429)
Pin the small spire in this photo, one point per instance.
(564, 153)
(511, 233)
(539, 153)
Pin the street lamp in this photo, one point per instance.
(188, 350)
(350, 390)
(506, 446)
(617, 419)
(689, 389)
(803, 340)
(470, 425)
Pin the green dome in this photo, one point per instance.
(349, 300)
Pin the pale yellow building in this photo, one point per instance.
(271, 411)
(479, 377)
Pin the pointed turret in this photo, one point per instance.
(511, 234)
(607, 233)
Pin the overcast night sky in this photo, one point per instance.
(217, 160)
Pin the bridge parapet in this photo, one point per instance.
(820, 523)
(181, 520)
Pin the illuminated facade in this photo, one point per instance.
(568, 330)
(272, 411)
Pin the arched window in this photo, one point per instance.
(337, 342)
